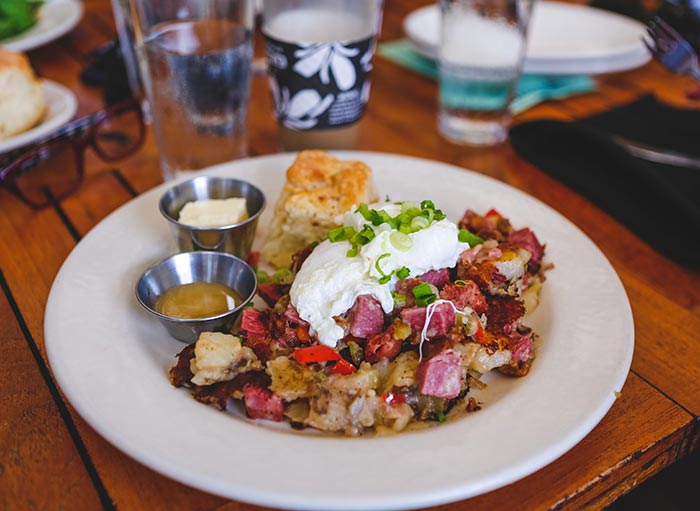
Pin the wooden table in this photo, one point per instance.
(51, 459)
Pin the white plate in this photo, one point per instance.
(563, 39)
(61, 105)
(56, 18)
(111, 361)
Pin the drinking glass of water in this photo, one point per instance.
(197, 55)
(482, 49)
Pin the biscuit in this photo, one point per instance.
(22, 104)
(318, 189)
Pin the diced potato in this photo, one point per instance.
(290, 379)
(366, 378)
(403, 371)
(220, 357)
(484, 361)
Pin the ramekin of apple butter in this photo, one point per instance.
(195, 292)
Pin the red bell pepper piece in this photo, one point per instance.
(393, 399)
(343, 367)
(493, 212)
(318, 353)
(479, 331)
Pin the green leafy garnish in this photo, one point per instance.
(441, 417)
(16, 16)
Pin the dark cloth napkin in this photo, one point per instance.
(659, 203)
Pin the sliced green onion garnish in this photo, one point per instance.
(357, 354)
(399, 299)
(424, 294)
(403, 272)
(461, 283)
(400, 241)
(427, 204)
(376, 263)
(352, 252)
(283, 276)
(467, 237)
(408, 205)
(441, 417)
(428, 214)
(337, 234)
(365, 235)
(262, 276)
(385, 279)
(419, 222)
(363, 209)
(422, 289)
(385, 218)
(422, 301)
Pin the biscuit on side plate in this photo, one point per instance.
(318, 189)
(22, 104)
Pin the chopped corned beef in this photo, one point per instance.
(383, 345)
(253, 323)
(503, 314)
(523, 349)
(466, 294)
(366, 317)
(292, 315)
(440, 322)
(271, 293)
(441, 376)
(262, 404)
(525, 238)
(437, 278)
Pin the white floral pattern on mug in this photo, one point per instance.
(319, 85)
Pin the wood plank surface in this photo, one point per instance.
(51, 459)
(36, 448)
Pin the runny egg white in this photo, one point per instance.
(329, 281)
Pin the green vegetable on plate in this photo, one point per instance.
(17, 16)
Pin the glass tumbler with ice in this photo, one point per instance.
(482, 49)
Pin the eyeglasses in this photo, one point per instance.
(53, 168)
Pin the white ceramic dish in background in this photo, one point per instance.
(563, 39)
(61, 106)
(56, 18)
(111, 361)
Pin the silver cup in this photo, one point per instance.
(236, 239)
(190, 267)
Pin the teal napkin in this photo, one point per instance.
(532, 89)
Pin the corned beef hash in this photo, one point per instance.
(391, 319)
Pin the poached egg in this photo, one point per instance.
(329, 281)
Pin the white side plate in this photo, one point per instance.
(61, 107)
(56, 18)
(563, 39)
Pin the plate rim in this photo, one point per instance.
(65, 95)
(447, 494)
(28, 41)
